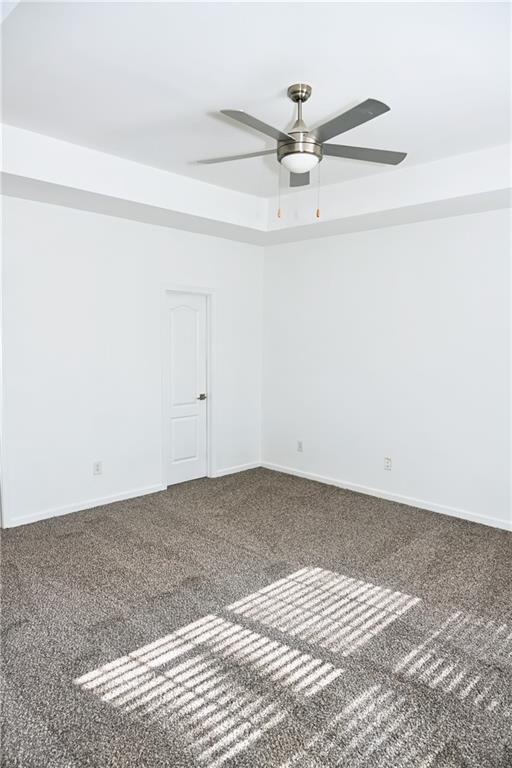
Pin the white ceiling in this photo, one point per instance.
(144, 81)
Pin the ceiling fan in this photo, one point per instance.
(300, 149)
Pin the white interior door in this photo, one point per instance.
(187, 388)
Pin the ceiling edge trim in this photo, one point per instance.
(478, 202)
(69, 197)
(94, 202)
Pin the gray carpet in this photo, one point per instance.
(257, 620)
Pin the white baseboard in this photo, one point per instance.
(494, 522)
(79, 506)
(238, 468)
(91, 503)
(378, 492)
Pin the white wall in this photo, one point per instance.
(395, 342)
(82, 353)
(392, 342)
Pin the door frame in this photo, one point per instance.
(165, 374)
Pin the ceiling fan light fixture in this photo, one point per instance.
(300, 150)
(300, 162)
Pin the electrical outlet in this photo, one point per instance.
(97, 468)
(300, 446)
(387, 463)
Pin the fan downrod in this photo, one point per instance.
(299, 92)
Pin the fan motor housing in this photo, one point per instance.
(303, 143)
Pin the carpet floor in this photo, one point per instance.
(252, 621)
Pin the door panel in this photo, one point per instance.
(184, 444)
(187, 380)
(184, 351)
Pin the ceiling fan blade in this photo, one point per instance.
(364, 153)
(211, 160)
(299, 179)
(365, 111)
(253, 122)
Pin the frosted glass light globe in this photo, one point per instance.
(300, 162)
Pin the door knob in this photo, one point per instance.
(202, 396)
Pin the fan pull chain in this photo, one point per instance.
(318, 193)
(279, 192)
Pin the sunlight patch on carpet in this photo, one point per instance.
(220, 684)
(325, 609)
(380, 724)
(458, 658)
